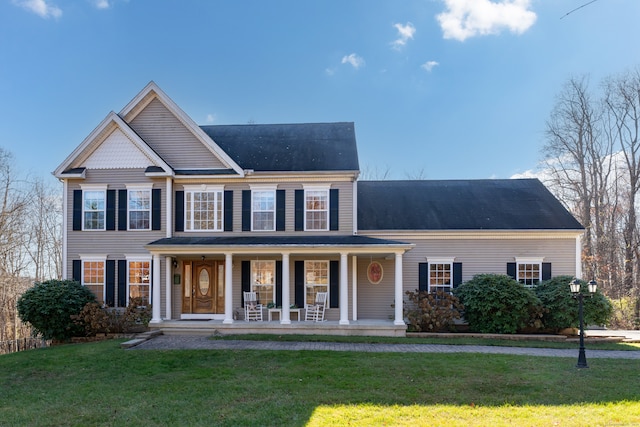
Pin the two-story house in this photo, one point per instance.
(188, 217)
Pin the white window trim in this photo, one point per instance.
(328, 285)
(264, 188)
(95, 258)
(203, 188)
(430, 261)
(317, 187)
(139, 187)
(253, 283)
(94, 187)
(138, 258)
(528, 260)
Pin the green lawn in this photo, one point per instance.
(101, 384)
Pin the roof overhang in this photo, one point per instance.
(474, 234)
(278, 244)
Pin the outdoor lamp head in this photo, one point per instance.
(574, 286)
(593, 286)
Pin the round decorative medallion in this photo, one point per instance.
(374, 272)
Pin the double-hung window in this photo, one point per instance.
(263, 209)
(440, 275)
(93, 207)
(139, 280)
(263, 280)
(139, 207)
(93, 276)
(316, 279)
(204, 208)
(316, 207)
(528, 271)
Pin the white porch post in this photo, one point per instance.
(155, 292)
(169, 211)
(168, 266)
(286, 314)
(354, 287)
(228, 288)
(344, 289)
(399, 318)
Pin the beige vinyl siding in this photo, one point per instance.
(168, 137)
(374, 301)
(345, 212)
(113, 243)
(489, 256)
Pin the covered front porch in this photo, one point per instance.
(224, 268)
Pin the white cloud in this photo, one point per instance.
(405, 32)
(211, 118)
(354, 60)
(102, 4)
(429, 65)
(469, 18)
(40, 7)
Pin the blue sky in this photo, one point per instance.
(443, 88)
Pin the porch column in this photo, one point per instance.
(155, 292)
(344, 289)
(286, 314)
(228, 288)
(399, 318)
(354, 287)
(168, 269)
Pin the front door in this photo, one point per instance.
(203, 287)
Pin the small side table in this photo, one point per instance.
(279, 311)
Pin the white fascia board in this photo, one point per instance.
(112, 117)
(185, 120)
(172, 250)
(470, 234)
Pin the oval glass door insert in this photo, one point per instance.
(203, 281)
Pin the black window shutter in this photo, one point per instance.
(245, 279)
(334, 284)
(546, 270)
(156, 208)
(299, 210)
(298, 281)
(76, 270)
(111, 283)
(246, 210)
(457, 274)
(333, 209)
(122, 283)
(111, 210)
(77, 210)
(228, 210)
(511, 270)
(123, 204)
(423, 275)
(278, 284)
(179, 201)
(280, 210)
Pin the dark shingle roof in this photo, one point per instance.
(289, 147)
(349, 240)
(496, 204)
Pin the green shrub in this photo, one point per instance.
(562, 308)
(496, 303)
(432, 311)
(48, 307)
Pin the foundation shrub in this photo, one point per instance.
(562, 309)
(496, 303)
(136, 316)
(432, 311)
(48, 307)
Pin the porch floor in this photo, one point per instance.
(372, 327)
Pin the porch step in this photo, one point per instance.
(140, 338)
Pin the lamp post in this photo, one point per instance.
(575, 290)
